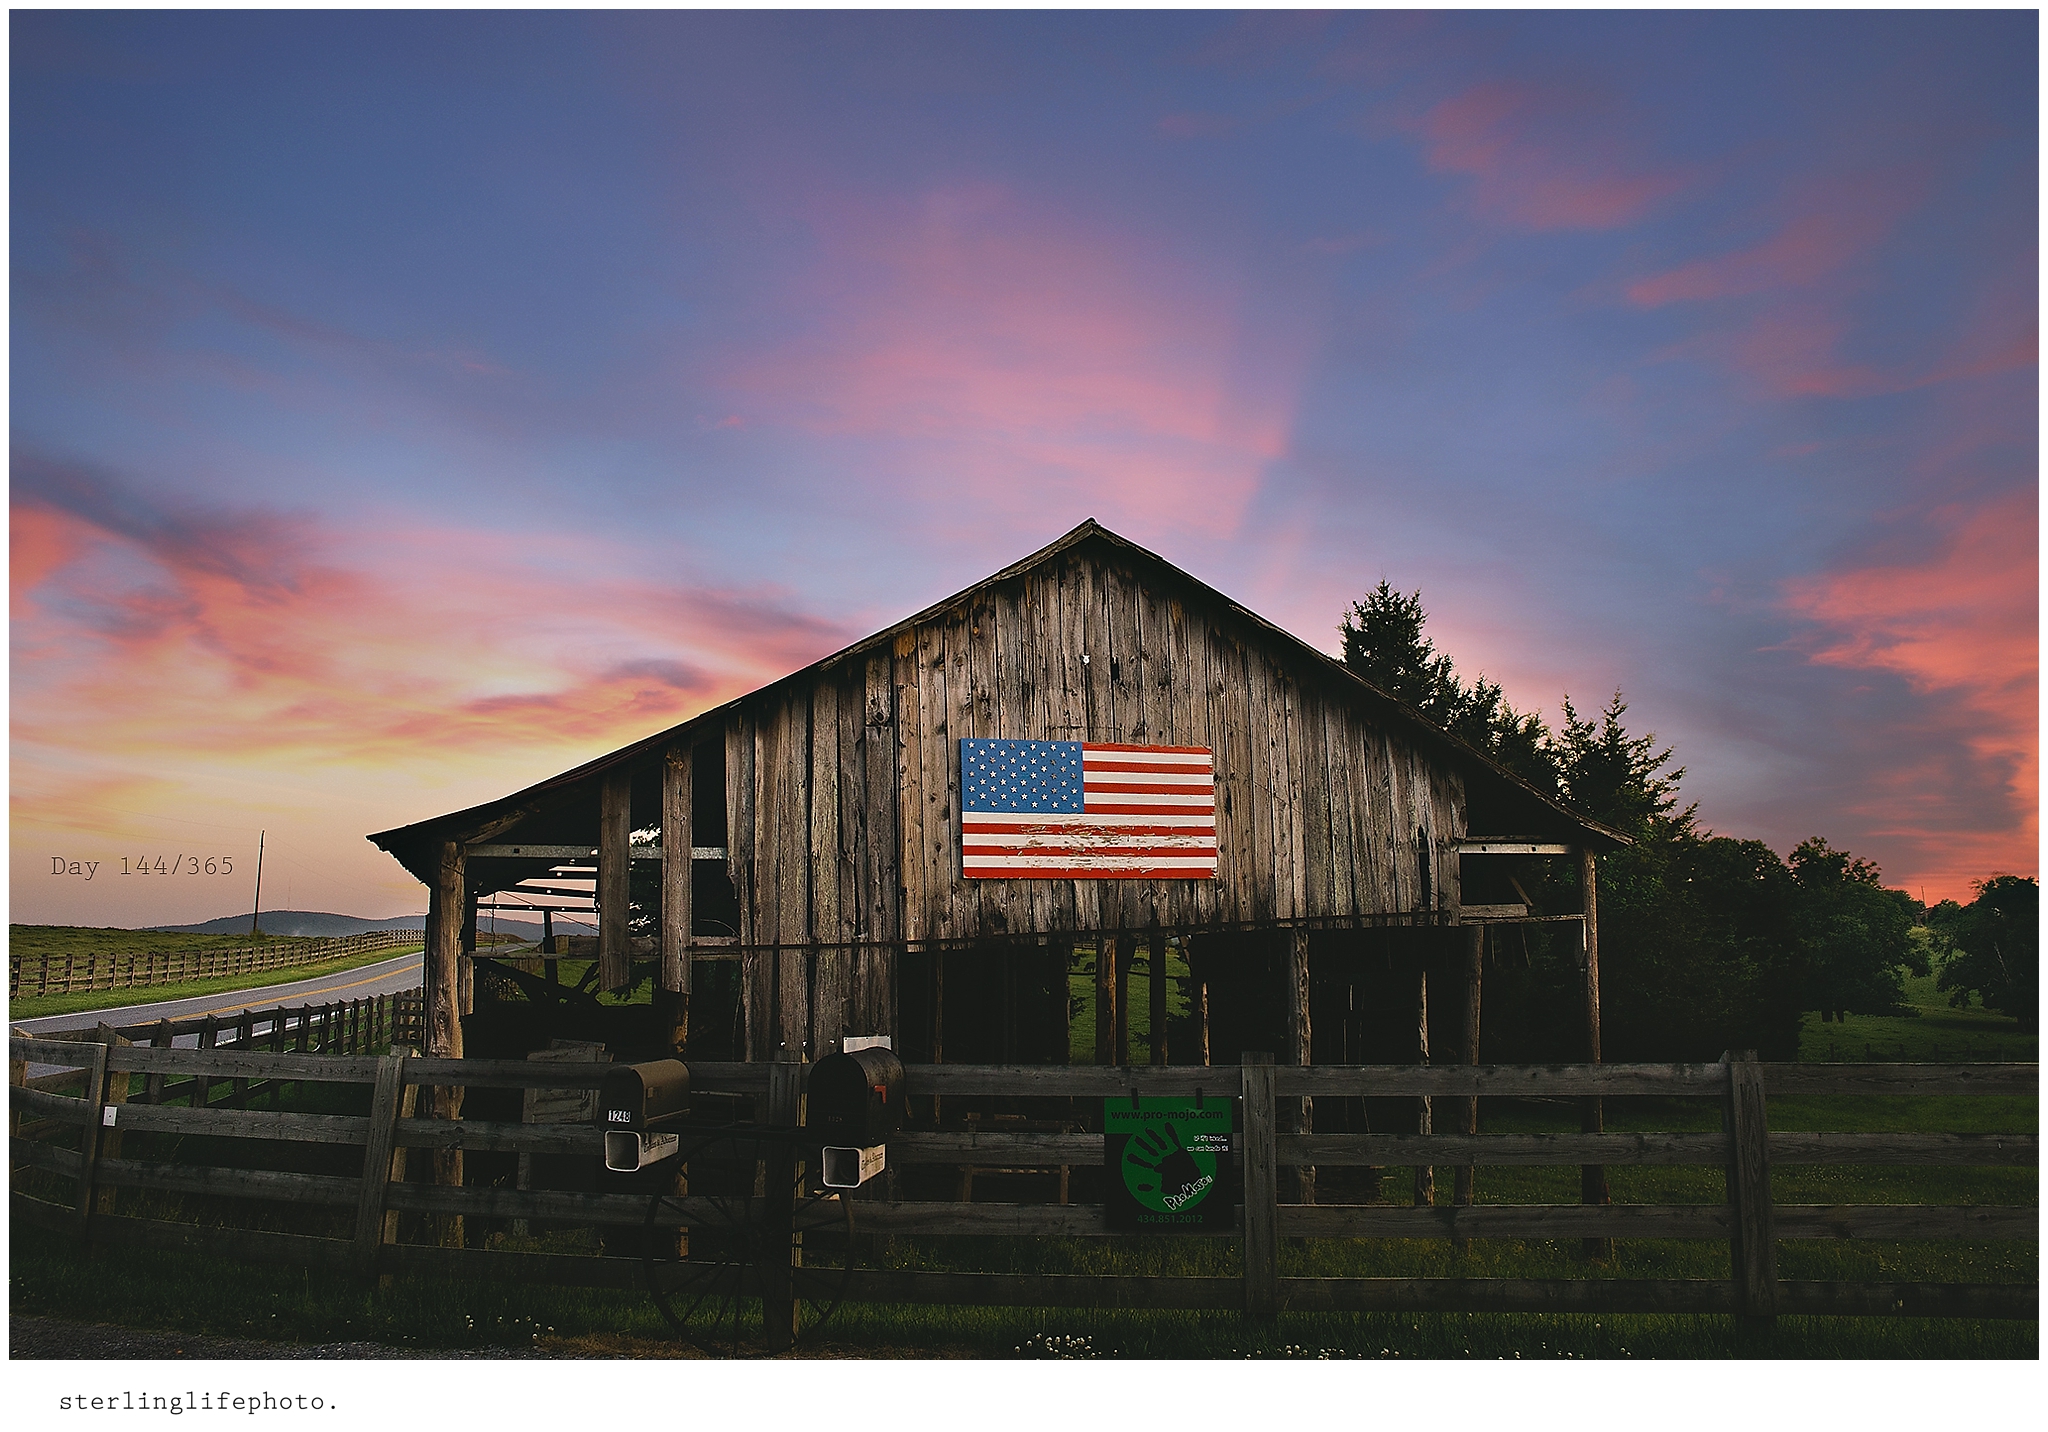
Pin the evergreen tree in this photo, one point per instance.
(1383, 642)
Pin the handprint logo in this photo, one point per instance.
(1159, 1170)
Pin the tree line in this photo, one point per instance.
(1707, 941)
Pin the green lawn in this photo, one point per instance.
(55, 942)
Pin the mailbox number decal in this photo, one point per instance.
(619, 1116)
(1168, 1163)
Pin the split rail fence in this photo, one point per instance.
(367, 1184)
(29, 976)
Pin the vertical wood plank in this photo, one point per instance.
(1261, 1187)
(1753, 1237)
(1592, 1177)
(384, 1112)
(1468, 1114)
(115, 1097)
(1156, 977)
(678, 810)
(1425, 1176)
(90, 1139)
(778, 1300)
(614, 881)
(1298, 1116)
(1105, 997)
(910, 679)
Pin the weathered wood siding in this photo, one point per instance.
(843, 787)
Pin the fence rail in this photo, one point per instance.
(30, 976)
(175, 1099)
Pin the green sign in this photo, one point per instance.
(1169, 1163)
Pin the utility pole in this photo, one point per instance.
(258, 911)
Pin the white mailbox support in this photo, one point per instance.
(850, 1168)
(626, 1152)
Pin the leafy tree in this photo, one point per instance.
(1996, 949)
(1852, 939)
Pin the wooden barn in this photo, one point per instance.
(795, 860)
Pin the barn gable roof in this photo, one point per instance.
(1544, 816)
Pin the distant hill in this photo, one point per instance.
(295, 922)
(322, 925)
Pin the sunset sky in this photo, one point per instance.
(406, 407)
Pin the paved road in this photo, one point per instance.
(385, 977)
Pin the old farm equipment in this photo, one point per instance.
(740, 1212)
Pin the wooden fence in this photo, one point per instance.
(29, 976)
(365, 1204)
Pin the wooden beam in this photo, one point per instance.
(1754, 1240)
(1297, 1116)
(1492, 845)
(1155, 974)
(614, 882)
(1425, 1175)
(1468, 1114)
(447, 903)
(1261, 1187)
(1105, 998)
(582, 852)
(677, 795)
(1592, 1177)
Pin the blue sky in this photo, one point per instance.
(407, 406)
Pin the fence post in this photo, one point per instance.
(778, 1303)
(245, 1031)
(89, 1141)
(202, 1086)
(1261, 1187)
(115, 1096)
(385, 1105)
(1753, 1246)
(153, 1087)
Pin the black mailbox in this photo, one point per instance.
(635, 1104)
(856, 1099)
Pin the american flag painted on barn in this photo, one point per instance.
(1074, 810)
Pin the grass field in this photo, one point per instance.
(45, 1005)
(225, 985)
(169, 1290)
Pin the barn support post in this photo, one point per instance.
(1425, 1176)
(785, 1111)
(1753, 1245)
(444, 1022)
(615, 881)
(1061, 958)
(1592, 1177)
(1261, 1187)
(1298, 1116)
(1155, 974)
(1468, 1113)
(677, 795)
(466, 967)
(1105, 998)
(1126, 954)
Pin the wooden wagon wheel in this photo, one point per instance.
(713, 1252)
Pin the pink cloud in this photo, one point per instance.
(1960, 623)
(1544, 157)
(1841, 221)
(1037, 356)
(156, 642)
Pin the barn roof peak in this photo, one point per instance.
(499, 814)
